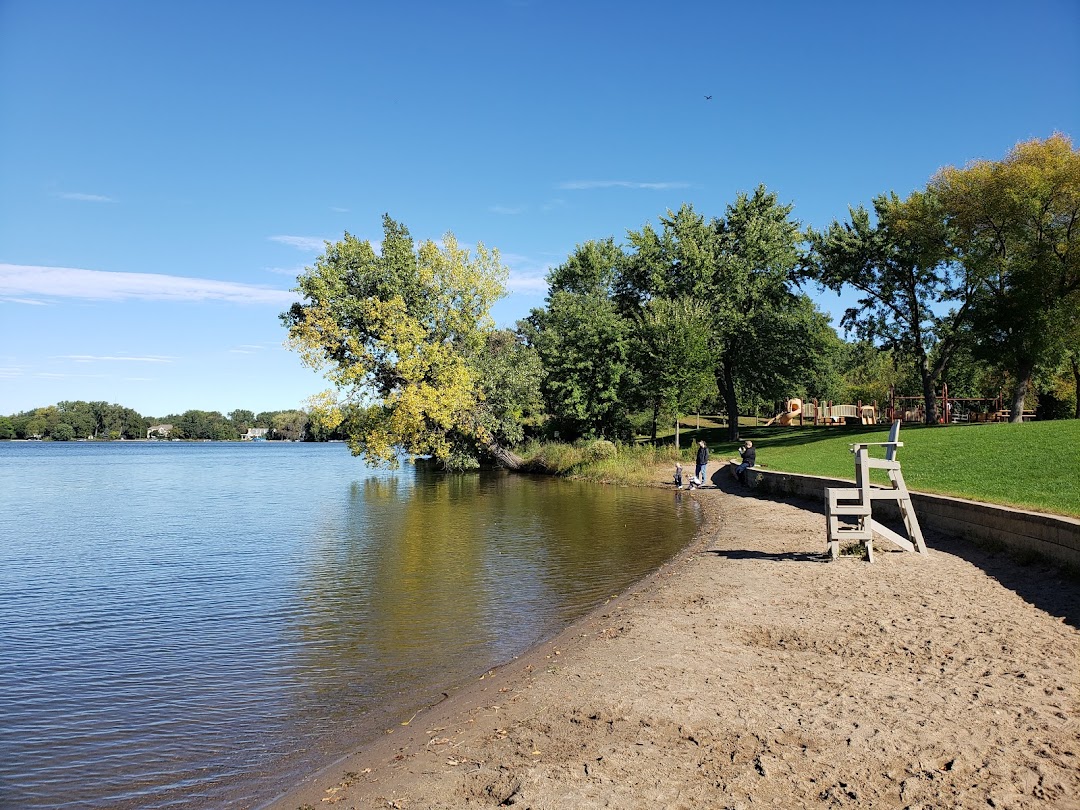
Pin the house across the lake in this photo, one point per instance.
(255, 435)
(158, 431)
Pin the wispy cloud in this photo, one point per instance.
(292, 272)
(30, 301)
(80, 197)
(96, 358)
(246, 348)
(10, 372)
(507, 209)
(527, 276)
(339, 210)
(313, 244)
(68, 282)
(585, 185)
(528, 282)
(54, 375)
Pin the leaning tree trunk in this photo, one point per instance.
(506, 458)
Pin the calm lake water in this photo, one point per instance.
(197, 625)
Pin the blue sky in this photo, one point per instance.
(166, 169)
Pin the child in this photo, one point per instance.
(695, 482)
(678, 475)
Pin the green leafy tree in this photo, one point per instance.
(742, 268)
(242, 420)
(1015, 226)
(671, 349)
(7, 428)
(760, 319)
(511, 372)
(398, 332)
(290, 425)
(869, 374)
(202, 425)
(63, 432)
(901, 268)
(581, 340)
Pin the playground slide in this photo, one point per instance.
(794, 408)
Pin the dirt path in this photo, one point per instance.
(751, 671)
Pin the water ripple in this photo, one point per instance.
(194, 625)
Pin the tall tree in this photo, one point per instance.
(1016, 227)
(671, 348)
(398, 333)
(741, 267)
(901, 268)
(511, 372)
(764, 329)
(581, 339)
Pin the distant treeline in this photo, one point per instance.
(102, 421)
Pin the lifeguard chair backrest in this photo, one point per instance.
(894, 436)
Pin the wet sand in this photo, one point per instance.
(752, 671)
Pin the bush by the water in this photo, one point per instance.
(602, 460)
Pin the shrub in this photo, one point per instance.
(600, 449)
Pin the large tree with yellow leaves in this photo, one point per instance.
(405, 335)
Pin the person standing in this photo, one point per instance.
(702, 461)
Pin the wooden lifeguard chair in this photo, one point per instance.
(845, 503)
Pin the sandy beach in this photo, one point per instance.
(750, 671)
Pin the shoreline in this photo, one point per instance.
(465, 699)
(747, 669)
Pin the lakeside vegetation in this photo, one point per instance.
(103, 421)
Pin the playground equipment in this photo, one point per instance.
(824, 413)
(952, 410)
(793, 409)
(857, 502)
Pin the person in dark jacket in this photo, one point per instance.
(749, 458)
(702, 461)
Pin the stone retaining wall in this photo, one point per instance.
(1053, 536)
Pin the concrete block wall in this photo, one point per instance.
(1052, 536)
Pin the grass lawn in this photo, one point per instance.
(1034, 466)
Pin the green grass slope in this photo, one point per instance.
(1034, 466)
